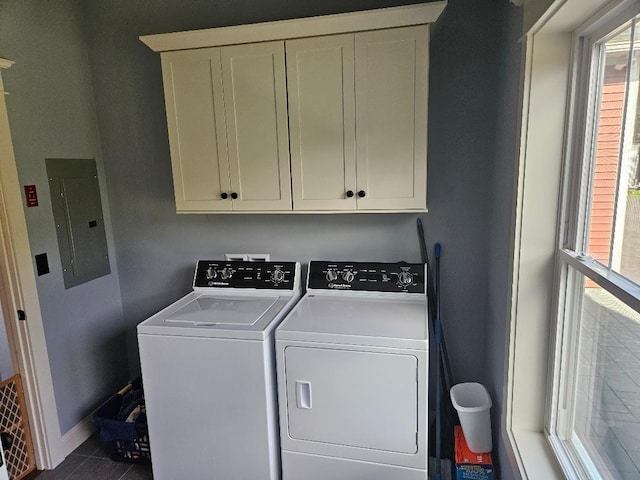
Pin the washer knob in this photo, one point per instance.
(405, 278)
(277, 276)
(348, 276)
(226, 273)
(332, 275)
(210, 273)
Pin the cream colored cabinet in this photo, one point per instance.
(197, 135)
(358, 120)
(227, 121)
(321, 96)
(340, 126)
(391, 118)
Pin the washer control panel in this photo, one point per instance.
(261, 275)
(367, 277)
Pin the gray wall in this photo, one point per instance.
(501, 230)
(462, 102)
(157, 248)
(469, 185)
(52, 114)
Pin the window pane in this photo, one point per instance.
(607, 397)
(614, 213)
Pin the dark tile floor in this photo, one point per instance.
(91, 461)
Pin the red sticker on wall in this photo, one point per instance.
(31, 195)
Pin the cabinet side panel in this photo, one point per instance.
(322, 121)
(198, 158)
(391, 102)
(255, 108)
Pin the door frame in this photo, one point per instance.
(18, 291)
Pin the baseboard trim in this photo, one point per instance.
(77, 435)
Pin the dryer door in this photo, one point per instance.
(352, 398)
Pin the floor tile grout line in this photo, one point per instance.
(125, 473)
(79, 465)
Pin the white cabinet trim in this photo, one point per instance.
(4, 63)
(298, 28)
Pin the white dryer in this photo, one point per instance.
(352, 364)
(208, 371)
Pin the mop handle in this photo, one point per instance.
(438, 368)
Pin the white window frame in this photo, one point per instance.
(572, 261)
(548, 119)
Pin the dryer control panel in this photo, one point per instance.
(367, 276)
(260, 275)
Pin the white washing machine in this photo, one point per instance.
(208, 371)
(352, 363)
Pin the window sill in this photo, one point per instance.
(536, 457)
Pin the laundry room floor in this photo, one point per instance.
(91, 461)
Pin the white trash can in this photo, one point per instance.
(472, 401)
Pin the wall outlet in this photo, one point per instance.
(259, 257)
(236, 257)
(247, 257)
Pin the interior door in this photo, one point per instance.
(352, 398)
(320, 75)
(391, 117)
(255, 102)
(197, 138)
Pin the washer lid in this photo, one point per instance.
(212, 310)
(358, 321)
(201, 314)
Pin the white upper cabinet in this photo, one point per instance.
(227, 121)
(340, 126)
(391, 118)
(358, 120)
(255, 101)
(320, 78)
(195, 119)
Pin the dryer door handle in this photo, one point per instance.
(303, 394)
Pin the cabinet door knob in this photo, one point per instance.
(361, 193)
(349, 193)
(223, 195)
(234, 195)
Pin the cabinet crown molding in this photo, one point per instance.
(298, 28)
(4, 63)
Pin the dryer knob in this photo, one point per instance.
(331, 275)
(348, 276)
(277, 276)
(405, 278)
(226, 273)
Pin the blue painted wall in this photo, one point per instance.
(52, 115)
(474, 74)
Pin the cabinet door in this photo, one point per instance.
(391, 117)
(195, 120)
(320, 76)
(256, 118)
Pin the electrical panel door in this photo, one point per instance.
(77, 211)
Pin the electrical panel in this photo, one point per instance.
(77, 211)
